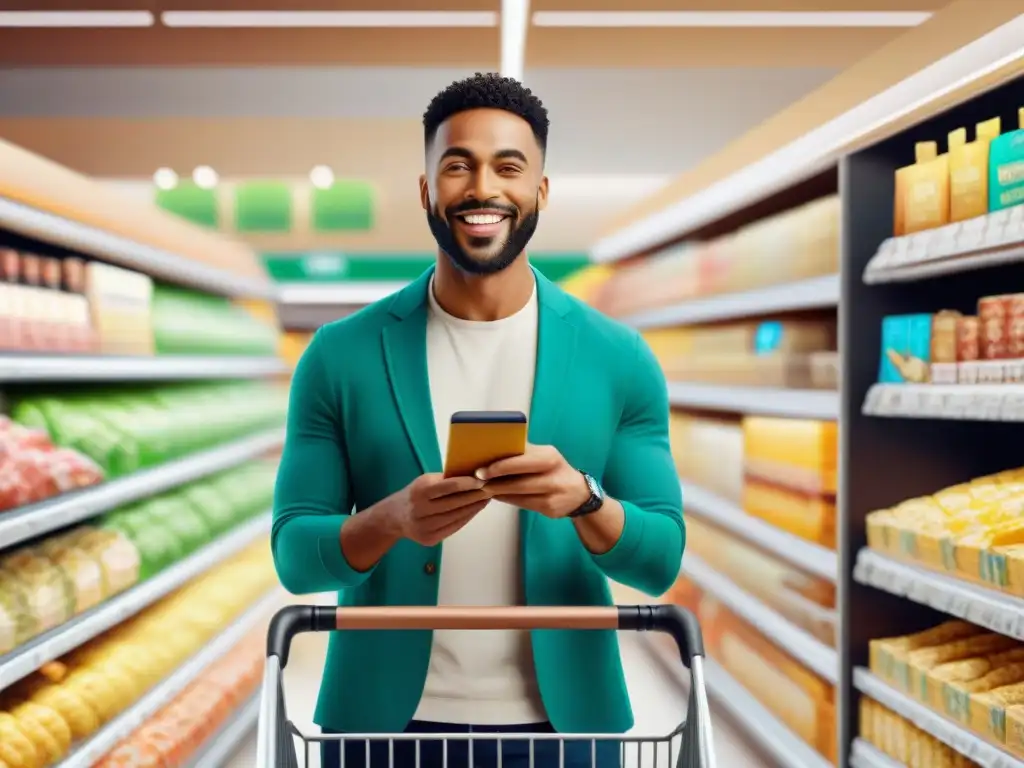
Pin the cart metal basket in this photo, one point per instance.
(689, 745)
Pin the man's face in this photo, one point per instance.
(483, 189)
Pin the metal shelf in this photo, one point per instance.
(810, 557)
(814, 293)
(85, 239)
(757, 722)
(765, 401)
(26, 659)
(985, 607)
(56, 368)
(803, 647)
(220, 747)
(122, 726)
(337, 294)
(930, 721)
(865, 755)
(954, 402)
(28, 522)
(985, 241)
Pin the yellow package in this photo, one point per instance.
(914, 672)
(988, 710)
(867, 723)
(881, 534)
(957, 696)
(809, 517)
(887, 654)
(1015, 729)
(966, 670)
(972, 549)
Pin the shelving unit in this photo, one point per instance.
(307, 306)
(26, 368)
(896, 441)
(164, 692)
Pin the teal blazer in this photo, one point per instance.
(360, 427)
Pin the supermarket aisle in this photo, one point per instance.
(657, 700)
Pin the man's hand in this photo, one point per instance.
(432, 507)
(540, 480)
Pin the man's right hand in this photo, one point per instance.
(433, 507)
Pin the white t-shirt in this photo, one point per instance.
(481, 677)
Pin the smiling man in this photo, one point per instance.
(362, 508)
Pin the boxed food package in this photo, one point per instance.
(795, 453)
(708, 451)
(811, 517)
(120, 302)
(888, 656)
(903, 741)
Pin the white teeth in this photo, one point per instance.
(482, 219)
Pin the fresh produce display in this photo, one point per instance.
(43, 716)
(45, 584)
(967, 674)
(901, 740)
(193, 323)
(972, 531)
(177, 731)
(127, 429)
(32, 468)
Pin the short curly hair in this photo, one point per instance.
(487, 91)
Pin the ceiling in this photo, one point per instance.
(476, 45)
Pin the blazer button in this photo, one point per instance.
(430, 569)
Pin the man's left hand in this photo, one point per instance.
(540, 480)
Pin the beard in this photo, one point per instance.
(501, 258)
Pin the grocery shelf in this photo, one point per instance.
(959, 402)
(219, 748)
(814, 293)
(985, 607)
(765, 401)
(985, 241)
(57, 230)
(942, 728)
(803, 647)
(321, 294)
(57, 368)
(727, 694)
(89, 752)
(36, 519)
(24, 660)
(810, 557)
(865, 755)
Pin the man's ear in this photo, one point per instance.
(424, 193)
(542, 194)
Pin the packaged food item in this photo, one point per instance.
(969, 169)
(120, 301)
(906, 349)
(808, 516)
(799, 454)
(1015, 729)
(81, 570)
(988, 710)
(116, 555)
(956, 694)
(968, 348)
(926, 189)
(47, 591)
(943, 353)
(921, 661)
(993, 315)
(17, 624)
(1006, 168)
(887, 656)
(17, 749)
(81, 333)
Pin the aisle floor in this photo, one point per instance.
(658, 704)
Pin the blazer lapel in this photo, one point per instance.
(405, 355)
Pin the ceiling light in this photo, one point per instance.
(757, 19)
(205, 177)
(76, 19)
(329, 19)
(321, 177)
(515, 19)
(165, 178)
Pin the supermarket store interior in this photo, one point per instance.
(810, 209)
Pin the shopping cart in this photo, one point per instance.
(688, 746)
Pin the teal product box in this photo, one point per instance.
(906, 349)
(1006, 168)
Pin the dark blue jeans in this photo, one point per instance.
(514, 753)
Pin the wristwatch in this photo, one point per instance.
(595, 501)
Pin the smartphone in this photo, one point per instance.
(479, 438)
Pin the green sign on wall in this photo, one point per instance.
(343, 206)
(263, 206)
(333, 267)
(191, 202)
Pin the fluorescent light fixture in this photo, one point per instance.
(205, 177)
(329, 19)
(822, 147)
(165, 178)
(321, 177)
(735, 19)
(515, 20)
(76, 19)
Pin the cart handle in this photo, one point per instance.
(671, 619)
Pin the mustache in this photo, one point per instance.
(475, 205)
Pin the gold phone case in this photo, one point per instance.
(479, 438)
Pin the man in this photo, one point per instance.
(595, 497)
